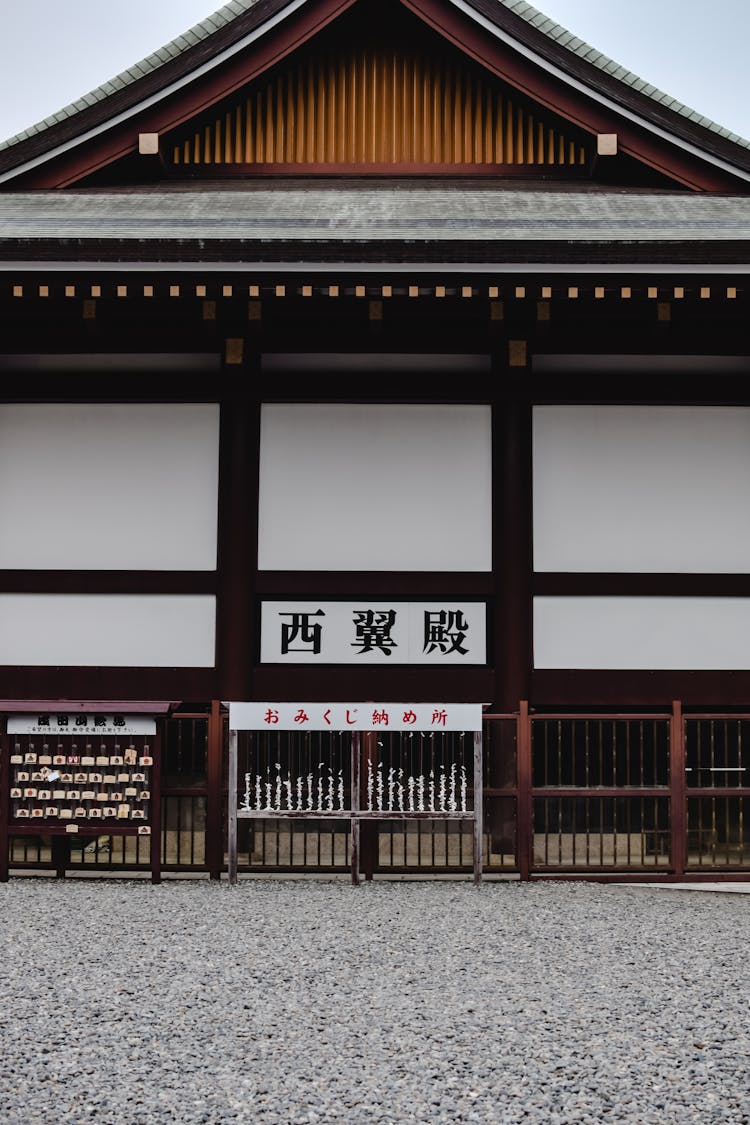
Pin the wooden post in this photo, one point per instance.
(156, 778)
(232, 808)
(60, 855)
(214, 763)
(368, 830)
(678, 792)
(355, 805)
(478, 804)
(238, 551)
(511, 537)
(525, 810)
(4, 808)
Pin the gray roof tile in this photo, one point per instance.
(156, 59)
(383, 211)
(570, 41)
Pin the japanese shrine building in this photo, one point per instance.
(383, 350)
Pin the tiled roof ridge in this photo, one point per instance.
(171, 50)
(235, 8)
(564, 38)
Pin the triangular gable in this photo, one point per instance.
(394, 97)
(524, 65)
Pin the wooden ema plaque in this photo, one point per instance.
(67, 788)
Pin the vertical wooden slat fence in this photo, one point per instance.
(606, 796)
(600, 792)
(717, 754)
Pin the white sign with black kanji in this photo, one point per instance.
(80, 724)
(373, 632)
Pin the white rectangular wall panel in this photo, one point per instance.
(109, 486)
(375, 487)
(103, 630)
(691, 634)
(642, 488)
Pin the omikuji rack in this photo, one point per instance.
(454, 785)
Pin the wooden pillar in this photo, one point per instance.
(155, 843)
(511, 540)
(214, 777)
(237, 544)
(356, 752)
(478, 807)
(525, 813)
(369, 828)
(232, 808)
(60, 855)
(4, 807)
(678, 791)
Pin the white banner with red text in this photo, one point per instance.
(356, 716)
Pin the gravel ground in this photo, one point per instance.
(299, 1001)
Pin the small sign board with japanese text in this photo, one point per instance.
(356, 716)
(95, 725)
(374, 632)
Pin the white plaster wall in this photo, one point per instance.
(93, 630)
(375, 487)
(97, 486)
(641, 632)
(642, 488)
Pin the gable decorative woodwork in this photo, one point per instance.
(533, 108)
(383, 106)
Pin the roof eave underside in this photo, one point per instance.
(378, 256)
(242, 21)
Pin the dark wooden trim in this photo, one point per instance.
(585, 689)
(595, 792)
(719, 791)
(644, 388)
(126, 707)
(545, 172)
(430, 254)
(107, 683)
(652, 874)
(400, 683)
(107, 582)
(642, 585)
(399, 585)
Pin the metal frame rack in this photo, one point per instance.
(354, 812)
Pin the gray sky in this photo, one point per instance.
(53, 51)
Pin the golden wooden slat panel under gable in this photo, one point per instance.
(379, 106)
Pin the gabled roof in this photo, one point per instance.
(513, 23)
(235, 8)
